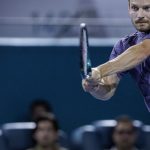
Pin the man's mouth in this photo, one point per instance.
(141, 22)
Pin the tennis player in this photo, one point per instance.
(130, 55)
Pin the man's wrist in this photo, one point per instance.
(97, 72)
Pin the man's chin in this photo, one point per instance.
(47, 144)
(143, 30)
(44, 145)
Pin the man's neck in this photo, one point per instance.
(125, 148)
(49, 147)
(144, 32)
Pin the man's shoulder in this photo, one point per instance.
(132, 35)
(128, 38)
(125, 42)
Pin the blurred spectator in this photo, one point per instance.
(46, 134)
(124, 135)
(40, 107)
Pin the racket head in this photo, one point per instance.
(85, 61)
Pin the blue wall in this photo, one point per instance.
(53, 73)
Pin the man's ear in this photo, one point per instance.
(129, 8)
(129, 4)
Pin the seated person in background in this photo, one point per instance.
(38, 108)
(124, 134)
(46, 134)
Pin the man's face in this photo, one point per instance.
(45, 134)
(124, 135)
(139, 11)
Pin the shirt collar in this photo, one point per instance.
(143, 34)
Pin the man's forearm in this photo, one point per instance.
(127, 60)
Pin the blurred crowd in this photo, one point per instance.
(121, 133)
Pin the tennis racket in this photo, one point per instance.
(85, 61)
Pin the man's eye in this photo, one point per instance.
(147, 8)
(134, 8)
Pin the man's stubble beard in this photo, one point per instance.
(141, 30)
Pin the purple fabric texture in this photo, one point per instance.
(140, 73)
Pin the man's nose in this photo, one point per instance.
(140, 14)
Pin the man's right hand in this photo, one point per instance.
(100, 88)
(91, 83)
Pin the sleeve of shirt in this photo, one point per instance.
(116, 51)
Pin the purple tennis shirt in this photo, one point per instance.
(140, 73)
